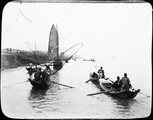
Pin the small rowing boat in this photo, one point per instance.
(105, 86)
(131, 93)
(57, 64)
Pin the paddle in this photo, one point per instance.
(88, 81)
(68, 50)
(144, 94)
(18, 83)
(109, 80)
(95, 93)
(62, 84)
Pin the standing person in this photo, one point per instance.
(101, 73)
(116, 84)
(125, 83)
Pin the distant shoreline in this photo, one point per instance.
(14, 59)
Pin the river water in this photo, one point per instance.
(20, 100)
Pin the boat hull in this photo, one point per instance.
(123, 94)
(106, 87)
(42, 84)
(57, 64)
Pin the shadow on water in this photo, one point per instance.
(125, 107)
(37, 93)
(43, 99)
(125, 103)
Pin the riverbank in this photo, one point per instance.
(11, 59)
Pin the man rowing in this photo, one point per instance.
(101, 73)
(116, 85)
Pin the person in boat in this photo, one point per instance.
(47, 69)
(101, 73)
(94, 75)
(44, 75)
(30, 65)
(125, 83)
(116, 85)
(31, 69)
(38, 74)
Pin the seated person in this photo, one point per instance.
(31, 69)
(94, 75)
(116, 84)
(125, 83)
(44, 76)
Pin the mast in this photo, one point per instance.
(36, 56)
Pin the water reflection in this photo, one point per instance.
(37, 93)
(125, 103)
(43, 99)
(125, 107)
(62, 102)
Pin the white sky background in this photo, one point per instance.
(106, 29)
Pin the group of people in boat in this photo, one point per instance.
(39, 74)
(119, 84)
(100, 74)
(122, 84)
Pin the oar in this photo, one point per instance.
(76, 51)
(62, 84)
(109, 80)
(144, 94)
(66, 51)
(88, 81)
(95, 93)
(18, 83)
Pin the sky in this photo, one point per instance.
(105, 29)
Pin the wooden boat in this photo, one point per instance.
(123, 94)
(131, 93)
(57, 64)
(106, 88)
(41, 84)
